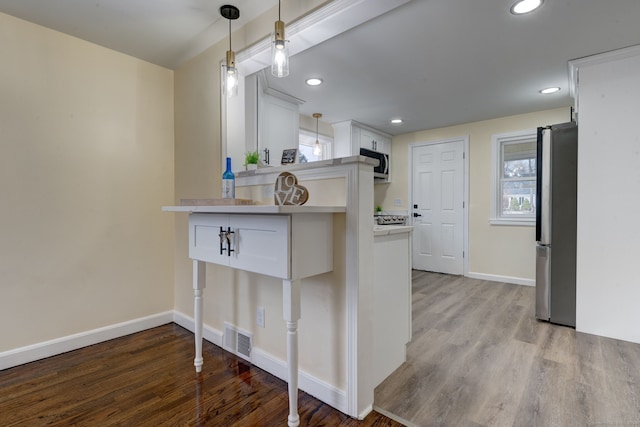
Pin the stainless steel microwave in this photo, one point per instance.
(382, 170)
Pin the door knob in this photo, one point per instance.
(415, 215)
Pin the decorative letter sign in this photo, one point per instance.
(288, 192)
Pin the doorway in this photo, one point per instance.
(439, 202)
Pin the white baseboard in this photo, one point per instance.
(321, 390)
(210, 334)
(317, 388)
(30, 353)
(329, 394)
(503, 279)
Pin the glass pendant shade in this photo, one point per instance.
(229, 72)
(317, 149)
(229, 76)
(279, 52)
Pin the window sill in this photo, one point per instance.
(529, 222)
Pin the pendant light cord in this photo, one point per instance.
(229, 34)
(279, 11)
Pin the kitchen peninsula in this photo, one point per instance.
(336, 226)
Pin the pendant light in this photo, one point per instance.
(317, 149)
(229, 75)
(279, 50)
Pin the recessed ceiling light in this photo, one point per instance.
(549, 90)
(314, 81)
(525, 6)
(396, 121)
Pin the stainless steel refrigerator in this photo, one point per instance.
(556, 216)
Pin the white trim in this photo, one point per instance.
(575, 65)
(529, 222)
(465, 225)
(30, 353)
(465, 195)
(366, 411)
(496, 166)
(601, 58)
(322, 24)
(502, 279)
(214, 336)
(329, 394)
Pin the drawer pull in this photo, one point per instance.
(229, 232)
(225, 240)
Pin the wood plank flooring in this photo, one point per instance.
(479, 358)
(148, 379)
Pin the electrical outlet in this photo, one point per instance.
(260, 317)
(397, 202)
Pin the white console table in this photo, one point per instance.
(287, 242)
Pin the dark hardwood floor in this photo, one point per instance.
(148, 379)
(480, 358)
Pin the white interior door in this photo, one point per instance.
(438, 206)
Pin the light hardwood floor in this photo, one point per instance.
(479, 358)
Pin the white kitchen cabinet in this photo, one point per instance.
(349, 136)
(273, 245)
(253, 243)
(375, 141)
(278, 127)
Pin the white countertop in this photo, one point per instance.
(256, 209)
(383, 230)
(307, 166)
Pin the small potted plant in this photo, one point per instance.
(251, 159)
(378, 210)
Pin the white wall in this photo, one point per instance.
(498, 252)
(86, 162)
(608, 284)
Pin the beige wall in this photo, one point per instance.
(86, 161)
(497, 250)
(230, 295)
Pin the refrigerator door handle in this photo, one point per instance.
(543, 282)
(545, 203)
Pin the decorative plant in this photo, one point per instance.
(378, 209)
(251, 158)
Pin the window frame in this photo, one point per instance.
(326, 142)
(497, 143)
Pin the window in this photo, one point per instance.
(306, 147)
(514, 178)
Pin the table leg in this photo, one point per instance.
(291, 308)
(199, 282)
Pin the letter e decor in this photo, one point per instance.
(288, 192)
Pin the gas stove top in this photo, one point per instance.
(391, 220)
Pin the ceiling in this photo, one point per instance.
(163, 32)
(433, 63)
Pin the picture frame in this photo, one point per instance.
(289, 156)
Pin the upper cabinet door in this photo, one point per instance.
(350, 136)
(279, 127)
(375, 141)
(368, 140)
